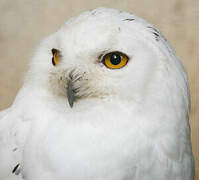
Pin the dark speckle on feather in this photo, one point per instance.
(14, 149)
(93, 13)
(129, 19)
(155, 32)
(154, 29)
(156, 36)
(14, 171)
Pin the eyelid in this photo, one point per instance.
(102, 56)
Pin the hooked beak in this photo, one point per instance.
(70, 93)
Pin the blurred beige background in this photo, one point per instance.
(24, 23)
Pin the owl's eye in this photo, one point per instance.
(115, 60)
(56, 57)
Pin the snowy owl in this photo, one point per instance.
(105, 98)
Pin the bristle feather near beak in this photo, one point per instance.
(70, 93)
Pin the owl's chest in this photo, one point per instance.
(93, 142)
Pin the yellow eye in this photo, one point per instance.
(115, 60)
(56, 56)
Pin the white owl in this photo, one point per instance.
(105, 98)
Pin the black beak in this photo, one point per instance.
(70, 93)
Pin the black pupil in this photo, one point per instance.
(115, 59)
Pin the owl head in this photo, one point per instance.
(108, 54)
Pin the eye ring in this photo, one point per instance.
(115, 60)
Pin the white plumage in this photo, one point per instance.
(130, 123)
